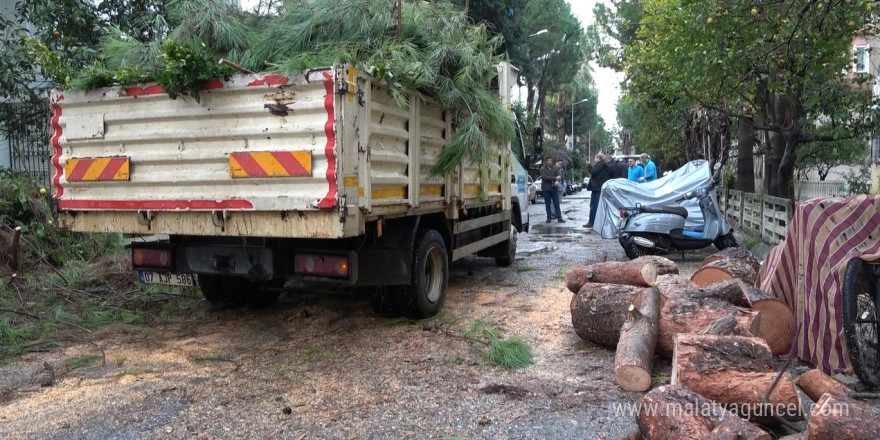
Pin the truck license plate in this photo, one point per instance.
(170, 279)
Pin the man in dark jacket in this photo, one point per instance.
(620, 169)
(550, 177)
(599, 173)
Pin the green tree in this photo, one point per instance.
(775, 65)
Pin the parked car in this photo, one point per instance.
(536, 190)
(533, 191)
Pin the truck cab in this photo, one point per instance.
(519, 194)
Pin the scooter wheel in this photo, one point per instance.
(633, 250)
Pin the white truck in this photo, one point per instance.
(318, 176)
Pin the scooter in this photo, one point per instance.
(656, 229)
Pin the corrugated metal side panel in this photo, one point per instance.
(434, 135)
(389, 148)
(402, 142)
(179, 149)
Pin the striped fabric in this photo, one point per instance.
(807, 271)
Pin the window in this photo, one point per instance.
(861, 56)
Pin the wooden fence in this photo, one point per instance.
(759, 215)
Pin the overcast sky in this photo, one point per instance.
(607, 80)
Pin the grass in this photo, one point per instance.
(752, 242)
(525, 268)
(83, 361)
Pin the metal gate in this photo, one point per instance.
(27, 127)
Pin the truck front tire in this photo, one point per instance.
(509, 250)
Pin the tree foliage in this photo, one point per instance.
(778, 64)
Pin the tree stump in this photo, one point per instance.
(665, 266)
(673, 412)
(735, 371)
(632, 273)
(681, 314)
(638, 338)
(735, 253)
(598, 311)
(815, 383)
(840, 418)
(720, 270)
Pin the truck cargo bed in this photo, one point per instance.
(315, 155)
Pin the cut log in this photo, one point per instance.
(638, 339)
(815, 383)
(667, 284)
(839, 418)
(673, 412)
(681, 314)
(777, 320)
(720, 270)
(665, 266)
(642, 274)
(735, 253)
(598, 311)
(735, 371)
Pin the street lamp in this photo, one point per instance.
(542, 31)
(572, 119)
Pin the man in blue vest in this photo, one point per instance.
(636, 173)
(650, 168)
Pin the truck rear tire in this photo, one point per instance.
(424, 296)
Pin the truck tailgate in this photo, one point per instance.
(247, 144)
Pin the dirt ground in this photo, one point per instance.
(322, 365)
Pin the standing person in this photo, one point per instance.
(618, 169)
(636, 173)
(650, 168)
(549, 184)
(563, 185)
(599, 174)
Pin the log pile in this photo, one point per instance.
(714, 326)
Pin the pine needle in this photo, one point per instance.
(440, 55)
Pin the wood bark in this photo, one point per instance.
(720, 270)
(732, 291)
(726, 325)
(667, 284)
(815, 383)
(798, 436)
(839, 418)
(736, 371)
(684, 315)
(735, 253)
(638, 339)
(598, 311)
(674, 412)
(664, 265)
(632, 273)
